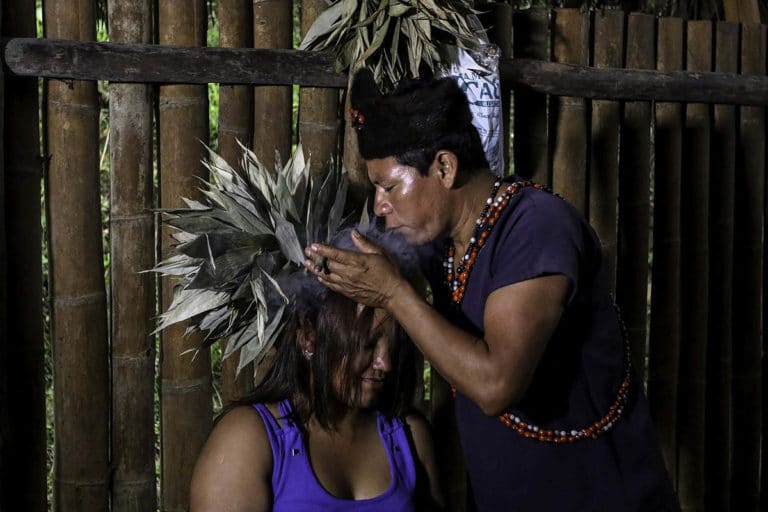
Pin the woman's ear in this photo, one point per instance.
(306, 339)
(446, 166)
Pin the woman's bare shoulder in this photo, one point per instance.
(235, 466)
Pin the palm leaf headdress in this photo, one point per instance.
(239, 253)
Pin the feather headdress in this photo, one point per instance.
(240, 252)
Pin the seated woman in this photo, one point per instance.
(327, 429)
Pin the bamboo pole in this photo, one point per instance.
(530, 147)
(185, 381)
(694, 276)
(664, 339)
(569, 161)
(79, 323)
(747, 285)
(319, 121)
(604, 141)
(24, 453)
(4, 362)
(634, 194)
(272, 130)
(235, 112)
(719, 360)
(132, 232)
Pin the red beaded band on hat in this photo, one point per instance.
(358, 119)
(457, 283)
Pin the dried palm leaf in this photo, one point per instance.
(392, 37)
(238, 251)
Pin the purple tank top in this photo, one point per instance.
(296, 489)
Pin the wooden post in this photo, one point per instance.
(604, 147)
(530, 144)
(319, 120)
(132, 232)
(272, 130)
(79, 309)
(569, 162)
(24, 450)
(719, 435)
(235, 123)
(694, 276)
(634, 195)
(747, 285)
(186, 408)
(664, 339)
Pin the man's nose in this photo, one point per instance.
(381, 207)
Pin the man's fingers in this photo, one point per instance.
(365, 245)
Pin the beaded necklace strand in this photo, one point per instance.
(457, 283)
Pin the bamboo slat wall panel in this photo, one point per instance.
(604, 140)
(664, 339)
(235, 125)
(634, 195)
(272, 130)
(24, 450)
(79, 323)
(719, 360)
(319, 121)
(185, 387)
(747, 285)
(531, 148)
(132, 234)
(569, 162)
(695, 279)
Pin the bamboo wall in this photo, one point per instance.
(675, 191)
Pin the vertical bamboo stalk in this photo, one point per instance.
(24, 450)
(719, 360)
(132, 231)
(235, 111)
(79, 320)
(272, 28)
(530, 144)
(604, 138)
(634, 195)
(5, 428)
(664, 339)
(747, 285)
(695, 281)
(318, 108)
(569, 161)
(186, 382)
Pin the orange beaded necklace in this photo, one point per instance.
(457, 282)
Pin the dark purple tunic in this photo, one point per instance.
(539, 234)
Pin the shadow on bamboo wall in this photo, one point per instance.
(676, 193)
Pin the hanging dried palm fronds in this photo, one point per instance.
(238, 252)
(392, 37)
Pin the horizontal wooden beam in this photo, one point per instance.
(114, 62)
(635, 84)
(151, 63)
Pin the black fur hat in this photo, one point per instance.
(414, 116)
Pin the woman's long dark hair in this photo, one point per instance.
(309, 384)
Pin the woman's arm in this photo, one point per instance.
(429, 493)
(233, 471)
(494, 371)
